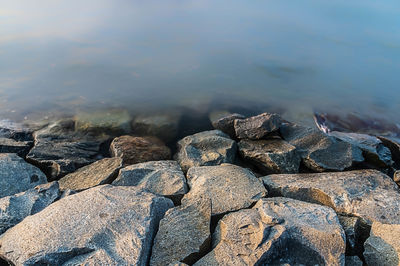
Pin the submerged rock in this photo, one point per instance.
(224, 121)
(104, 225)
(278, 231)
(257, 127)
(163, 125)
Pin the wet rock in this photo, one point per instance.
(229, 187)
(13, 209)
(98, 173)
(368, 194)
(134, 150)
(356, 234)
(257, 127)
(224, 121)
(112, 122)
(17, 176)
(278, 231)
(205, 148)
(353, 261)
(163, 125)
(15, 131)
(383, 245)
(12, 146)
(319, 151)
(271, 156)
(183, 235)
(159, 177)
(394, 146)
(98, 226)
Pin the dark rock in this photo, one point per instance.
(162, 125)
(353, 261)
(394, 146)
(257, 127)
(356, 234)
(15, 131)
(225, 121)
(12, 146)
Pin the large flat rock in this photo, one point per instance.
(99, 226)
(257, 127)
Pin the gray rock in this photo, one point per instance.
(229, 187)
(224, 121)
(98, 226)
(162, 125)
(353, 261)
(13, 209)
(272, 156)
(159, 177)
(368, 194)
(15, 131)
(98, 173)
(278, 231)
(12, 146)
(319, 151)
(205, 149)
(356, 234)
(17, 176)
(383, 245)
(183, 235)
(394, 146)
(257, 127)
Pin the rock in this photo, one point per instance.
(356, 234)
(278, 231)
(257, 127)
(98, 173)
(394, 146)
(319, 151)
(396, 177)
(112, 122)
(15, 131)
(271, 156)
(12, 146)
(13, 209)
(368, 194)
(159, 177)
(58, 150)
(134, 150)
(177, 264)
(353, 261)
(383, 245)
(98, 226)
(229, 187)
(225, 121)
(17, 176)
(183, 235)
(162, 125)
(205, 149)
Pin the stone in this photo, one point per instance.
(17, 176)
(12, 146)
(98, 226)
(13, 209)
(205, 149)
(368, 194)
(159, 177)
(353, 261)
(356, 234)
(15, 131)
(183, 234)
(320, 152)
(278, 231)
(134, 150)
(272, 156)
(112, 122)
(98, 173)
(224, 121)
(257, 127)
(393, 144)
(396, 177)
(229, 187)
(383, 245)
(161, 125)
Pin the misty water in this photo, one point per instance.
(290, 56)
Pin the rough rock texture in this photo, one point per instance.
(356, 234)
(12, 146)
(104, 225)
(394, 146)
(98, 173)
(257, 127)
(205, 148)
(396, 177)
(368, 194)
(278, 231)
(17, 176)
(139, 149)
(225, 121)
(58, 150)
(163, 125)
(229, 187)
(160, 177)
(383, 245)
(15, 131)
(319, 151)
(13, 209)
(353, 261)
(272, 156)
(183, 234)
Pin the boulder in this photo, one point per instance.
(229, 187)
(98, 173)
(17, 176)
(134, 150)
(356, 234)
(393, 144)
(224, 121)
(396, 177)
(15, 131)
(162, 125)
(100, 226)
(159, 177)
(353, 261)
(13, 209)
(12, 146)
(205, 149)
(272, 156)
(257, 127)
(278, 231)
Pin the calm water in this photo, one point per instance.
(293, 55)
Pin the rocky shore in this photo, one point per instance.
(105, 188)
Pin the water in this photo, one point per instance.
(295, 56)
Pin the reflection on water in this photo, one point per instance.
(293, 55)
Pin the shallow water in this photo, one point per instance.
(291, 56)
